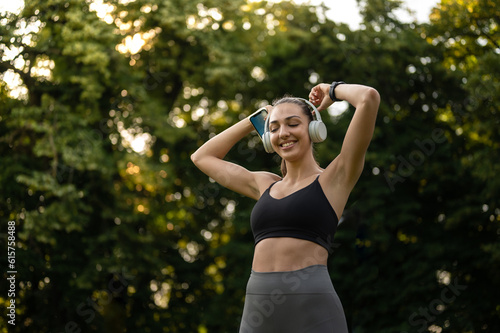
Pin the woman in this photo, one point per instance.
(296, 215)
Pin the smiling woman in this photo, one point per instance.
(296, 216)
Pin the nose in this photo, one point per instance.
(284, 133)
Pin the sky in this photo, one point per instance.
(345, 11)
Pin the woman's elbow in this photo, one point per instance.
(195, 157)
(200, 158)
(372, 96)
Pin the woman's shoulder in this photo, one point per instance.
(264, 179)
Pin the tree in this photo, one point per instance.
(90, 170)
(118, 231)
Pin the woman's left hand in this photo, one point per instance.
(319, 95)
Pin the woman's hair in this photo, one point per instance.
(305, 109)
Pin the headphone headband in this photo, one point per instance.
(316, 112)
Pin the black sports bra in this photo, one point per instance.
(304, 214)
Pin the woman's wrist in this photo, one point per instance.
(331, 92)
(246, 125)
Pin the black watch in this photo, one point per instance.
(332, 90)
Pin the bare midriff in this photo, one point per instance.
(283, 254)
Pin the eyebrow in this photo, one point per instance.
(287, 118)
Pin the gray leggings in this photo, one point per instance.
(301, 301)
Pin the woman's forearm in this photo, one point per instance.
(221, 144)
(355, 94)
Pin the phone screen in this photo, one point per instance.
(258, 120)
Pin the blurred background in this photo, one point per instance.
(102, 103)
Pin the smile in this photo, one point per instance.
(287, 144)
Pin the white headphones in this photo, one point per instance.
(317, 129)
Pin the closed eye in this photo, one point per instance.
(274, 129)
(292, 121)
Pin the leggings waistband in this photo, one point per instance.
(313, 279)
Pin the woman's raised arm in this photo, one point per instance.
(209, 158)
(349, 163)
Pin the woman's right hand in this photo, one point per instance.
(269, 108)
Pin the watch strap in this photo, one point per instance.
(332, 90)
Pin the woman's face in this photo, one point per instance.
(289, 129)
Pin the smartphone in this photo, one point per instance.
(258, 120)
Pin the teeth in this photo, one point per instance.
(288, 144)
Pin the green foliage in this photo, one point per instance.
(118, 231)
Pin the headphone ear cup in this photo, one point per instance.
(266, 140)
(317, 131)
